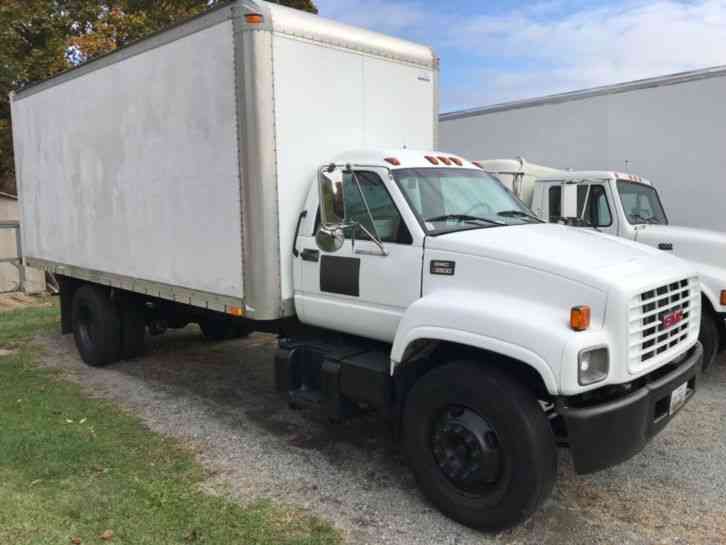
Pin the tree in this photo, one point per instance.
(40, 38)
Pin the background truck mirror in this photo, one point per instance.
(569, 201)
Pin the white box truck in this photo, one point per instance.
(256, 168)
(628, 206)
(669, 129)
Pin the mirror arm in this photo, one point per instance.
(375, 238)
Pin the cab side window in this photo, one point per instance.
(598, 209)
(387, 221)
(555, 203)
(597, 212)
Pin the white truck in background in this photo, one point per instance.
(669, 129)
(625, 205)
(255, 169)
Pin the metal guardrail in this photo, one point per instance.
(18, 259)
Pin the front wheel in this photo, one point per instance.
(480, 445)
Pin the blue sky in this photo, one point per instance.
(499, 50)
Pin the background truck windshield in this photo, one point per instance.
(641, 203)
(450, 199)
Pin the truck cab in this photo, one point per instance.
(486, 334)
(628, 206)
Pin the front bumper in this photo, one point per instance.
(604, 434)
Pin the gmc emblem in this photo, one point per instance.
(669, 320)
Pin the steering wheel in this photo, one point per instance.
(481, 205)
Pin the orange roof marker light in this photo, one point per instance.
(393, 161)
(254, 19)
(431, 159)
(478, 164)
(444, 160)
(456, 161)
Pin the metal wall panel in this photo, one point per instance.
(132, 168)
(672, 134)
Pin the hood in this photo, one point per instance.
(696, 245)
(582, 255)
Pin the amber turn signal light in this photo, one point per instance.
(723, 298)
(254, 18)
(580, 318)
(236, 311)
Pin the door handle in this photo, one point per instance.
(667, 246)
(310, 255)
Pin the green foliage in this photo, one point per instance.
(40, 38)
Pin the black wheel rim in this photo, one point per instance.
(84, 325)
(466, 449)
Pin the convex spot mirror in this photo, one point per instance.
(330, 238)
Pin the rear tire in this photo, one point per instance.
(709, 338)
(96, 326)
(502, 479)
(133, 329)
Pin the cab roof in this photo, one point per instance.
(584, 175)
(404, 158)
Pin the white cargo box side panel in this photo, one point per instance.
(329, 100)
(132, 169)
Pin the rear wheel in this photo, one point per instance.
(96, 326)
(709, 338)
(480, 445)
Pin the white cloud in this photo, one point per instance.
(551, 45)
(593, 47)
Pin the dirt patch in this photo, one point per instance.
(17, 300)
(219, 398)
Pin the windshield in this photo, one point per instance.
(454, 199)
(641, 203)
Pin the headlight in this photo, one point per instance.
(593, 365)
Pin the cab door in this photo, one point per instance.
(594, 206)
(361, 289)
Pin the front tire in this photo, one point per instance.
(96, 326)
(480, 445)
(709, 338)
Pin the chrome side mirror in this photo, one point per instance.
(330, 191)
(330, 238)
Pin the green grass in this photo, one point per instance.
(73, 467)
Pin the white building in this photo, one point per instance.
(9, 273)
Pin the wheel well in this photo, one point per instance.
(428, 354)
(707, 307)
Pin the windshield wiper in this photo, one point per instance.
(463, 217)
(517, 213)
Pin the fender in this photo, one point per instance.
(713, 280)
(523, 330)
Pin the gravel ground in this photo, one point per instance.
(219, 398)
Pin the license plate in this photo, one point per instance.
(678, 398)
